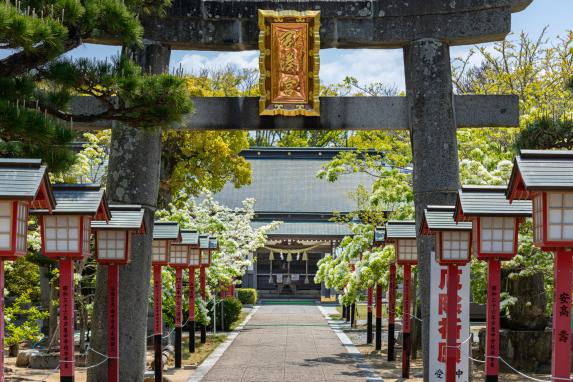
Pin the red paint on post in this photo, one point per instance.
(113, 322)
(202, 282)
(191, 294)
(157, 302)
(452, 350)
(492, 338)
(67, 319)
(178, 297)
(378, 301)
(406, 321)
(561, 365)
(370, 299)
(392, 295)
(1, 320)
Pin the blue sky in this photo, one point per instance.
(367, 65)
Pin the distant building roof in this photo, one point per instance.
(284, 180)
(26, 179)
(123, 217)
(322, 229)
(540, 170)
(488, 201)
(400, 229)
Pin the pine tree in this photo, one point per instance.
(36, 85)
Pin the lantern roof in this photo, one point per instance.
(488, 201)
(166, 231)
(204, 241)
(79, 199)
(441, 218)
(189, 237)
(124, 217)
(213, 243)
(379, 235)
(540, 170)
(26, 179)
(400, 229)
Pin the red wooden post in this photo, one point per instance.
(202, 282)
(66, 320)
(406, 321)
(178, 314)
(1, 319)
(157, 322)
(113, 322)
(492, 338)
(391, 312)
(452, 323)
(561, 365)
(378, 317)
(369, 318)
(191, 310)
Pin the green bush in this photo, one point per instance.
(231, 312)
(247, 295)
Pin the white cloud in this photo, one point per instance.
(192, 63)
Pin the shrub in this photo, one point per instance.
(247, 295)
(231, 312)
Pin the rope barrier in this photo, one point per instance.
(520, 372)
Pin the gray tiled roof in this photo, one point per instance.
(189, 237)
(123, 217)
(77, 199)
(441, 218)
(400, 229)
(291, 185)
(307, 229)
(203, 241)
(165, 231)
(21, 178)
(544, 169)
(489, 201)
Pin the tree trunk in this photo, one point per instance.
(133, 178)
(435, 154)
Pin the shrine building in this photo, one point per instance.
(286, 188)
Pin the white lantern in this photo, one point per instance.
(403, 234)
(204, 246)
(178, 255)
(453, 239)
(164, 234)
(194, 257)
(13, 228)
(406, 251)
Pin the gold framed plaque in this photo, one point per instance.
(289, 43)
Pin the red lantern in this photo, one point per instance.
(65, 237)
(113, 247)
(403, 235)
(495, 225)
(453, 247)
(546, 178)
(24, 183)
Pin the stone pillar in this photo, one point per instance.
(133, 178)
(435, 155)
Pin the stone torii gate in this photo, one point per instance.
(423, 29)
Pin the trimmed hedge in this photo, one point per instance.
(247, 295)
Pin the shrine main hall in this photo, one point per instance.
(286, 188)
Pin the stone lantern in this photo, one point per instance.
(113, 247)
(453, 248)
(403, 235)
(179, 259)
(66, 234)
(495, 228)
(24, 183)
(164, 234)
(546, 178)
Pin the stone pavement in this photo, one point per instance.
(287, 343)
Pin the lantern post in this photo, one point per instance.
(392, 313)
(179, 259)
(205, 261)
(164, 234)
(113, 247)
(379, 241)
(352, 307)
(495, 226)
(194, 263)
(546, 178)
(66, 234)
(403, 235)
(453, 248)
(25, 183)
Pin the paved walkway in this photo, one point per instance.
(287, 343)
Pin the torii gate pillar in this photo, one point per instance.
(434, 145)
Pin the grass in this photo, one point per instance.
(242, 317)
(361, 312)
(202, 351)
